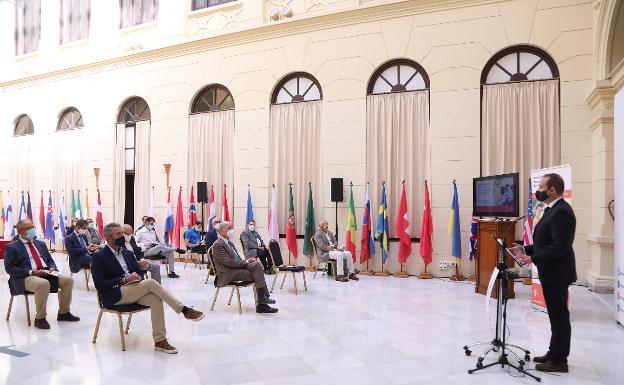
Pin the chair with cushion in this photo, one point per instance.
(285, 270)
(235, 285)
(118, 310)
(15, 292)
(325, 265)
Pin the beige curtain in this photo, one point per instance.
(520, 129)
(120, 174)
(295, 157)
(141, 171)
(66, 170)
(397, 140)
(211, 154)
(22, 177)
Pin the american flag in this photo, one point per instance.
(527, 235)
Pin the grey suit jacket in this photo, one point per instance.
(323, 245)
(227, 262)
(250, 243)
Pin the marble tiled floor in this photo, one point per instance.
(376, 331)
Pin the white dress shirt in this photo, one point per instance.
(144, 237)
(33, 265)
(120, 259)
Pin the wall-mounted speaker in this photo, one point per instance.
(337, 190)
(202, 192)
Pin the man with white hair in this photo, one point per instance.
(329, 249)
(132, 245)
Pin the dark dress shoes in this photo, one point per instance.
(552, 367)
(173, 275)
(41, 323)
(180, 251)
(67, 317)
(353, 277)
(541, 359)
(264, 308)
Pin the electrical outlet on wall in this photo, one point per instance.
(443, 265)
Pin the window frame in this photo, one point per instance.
(25, 34)
(194, 6)
(296, 75)
(17, 121)
(62, 116)
(62, 23)
(518, 49)
(397, 62)
(127, 103)
(198, 99)
(155, 9)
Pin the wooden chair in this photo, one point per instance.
(87, 274)
(285, 270)
(235, 285)
(211, 267)
(25, 293)
(326, 265)
(118, 310)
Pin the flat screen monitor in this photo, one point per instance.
(496, 196)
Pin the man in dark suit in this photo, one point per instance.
(553, 256)
(212, 234)
(131, 244)
(254, 247)
(231, 267)
(118, 277)
(31, 267)
(78, 248)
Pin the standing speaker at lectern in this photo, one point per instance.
(553, 256)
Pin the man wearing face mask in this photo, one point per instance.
(152, 247)
(254, 247)
(132, 245)
(328, 249)
(118, 277)
(212, 234)
(77, 247)
(193, 239)
(92, 235)
(231, 267)
(553, 255)
(31, 267)
(71, 227)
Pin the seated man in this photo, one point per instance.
(193, 239)
(328, 249)
(77, 249)
(152, 246)
(118, 278)
(254, 247)
(31, 267)
(212, 235)
(231, 267)
(72, 226)
(143, 221)
(93, 236)
(132, 245)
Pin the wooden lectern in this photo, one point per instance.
(487, 253)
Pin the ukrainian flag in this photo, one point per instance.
(453, 226)
(382, 225)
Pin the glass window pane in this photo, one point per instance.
(406, 73)
(129, 161)
(527, 60)
(130, 137)
(313, 94)
(541, 71)
(381, 87)
(283, 97)
(510, 63)
(496, 75)
(390, 74)
(417, 83)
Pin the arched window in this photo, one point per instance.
(134, 110)
(519, 63)
(297, 87)
(213, 98)
(398, 75)
(70, 119)
(23, 126)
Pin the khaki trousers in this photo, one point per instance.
(341, 257)
(41, 288)
(149, 293)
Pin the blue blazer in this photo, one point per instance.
(75, 251)
(17, 262)
(211, 237)
(107, 273)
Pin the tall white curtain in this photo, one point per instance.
(295, 157)
(141, 171)
(211, 153)
(66, 170)
(397, 140)
(22, 177)
(119, 193)
(520, 129)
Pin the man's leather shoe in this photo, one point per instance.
(173, 275)
(41, 323)
(163, 346)
(353, 277)
(264, 308)
(67, 317)
(342, 278)
(542, 359)
(551, 367)
(267, 300)
(180, 251)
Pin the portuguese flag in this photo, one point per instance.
(291, 226)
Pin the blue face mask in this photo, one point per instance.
(31, 234)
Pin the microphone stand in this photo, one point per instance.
(499, 343)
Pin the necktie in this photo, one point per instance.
(35, 255)
(82, 242)
(234, 249)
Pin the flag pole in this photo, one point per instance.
(289, 184)
(382, 272)
(457, 276)
(370, 230)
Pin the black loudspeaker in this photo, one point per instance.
(202, 192)
(337, 192)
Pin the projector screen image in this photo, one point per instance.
(496, 196)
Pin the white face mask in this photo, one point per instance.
(198, 228)
(230, 233)
(82, 231)
(150, 227)
(127, 237)
(217, 226)
(252, 227)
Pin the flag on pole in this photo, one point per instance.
(169, 219)
(291, 226)
(473, 238)
(29, 213)
(49, 225)
(42, 219)
(9, 231)
(367, 245)
(87, 210)
(2, 216)
(152, 211)
(179, 220)
(426, 230)
(249, 215)
(310, 225)
(212, 208)
(22, 210)
(453, 226)
(192, 218)
(72, 211)
(225, 211)
(527, 235)
(99, 220)
(382, 224)
(351, 227)
(78, 207)
(403, 229)
(62, 216)
(273, 226)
